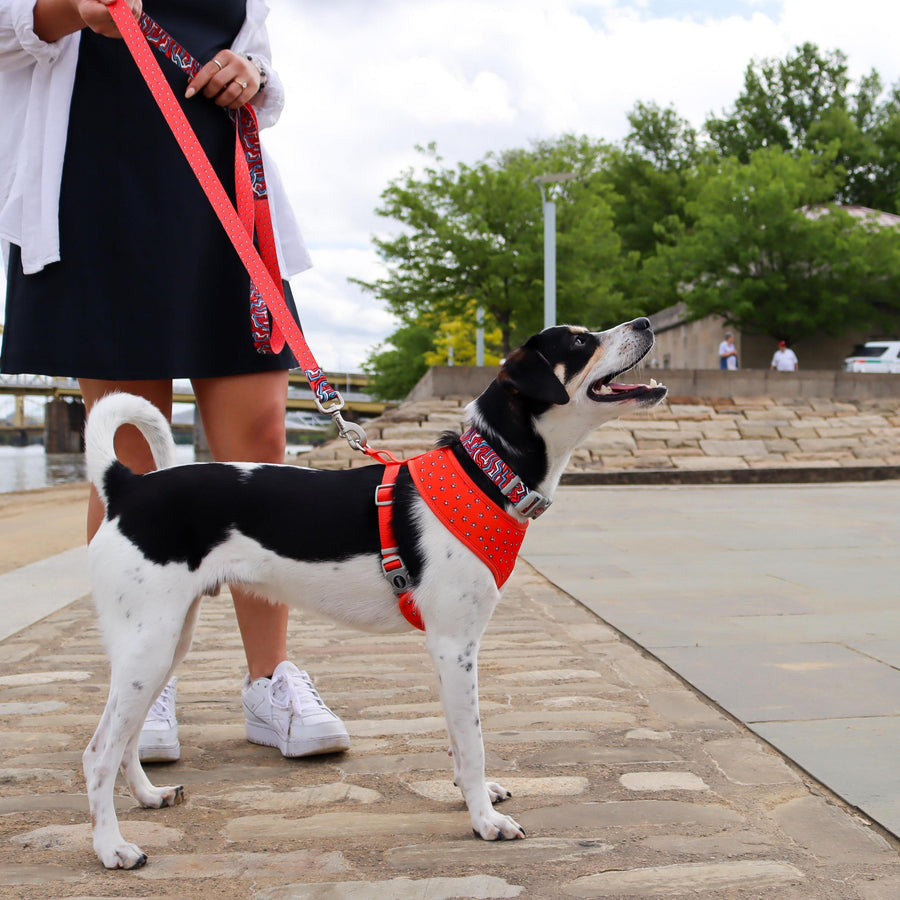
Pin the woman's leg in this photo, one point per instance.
(243, 416)
(131, 448)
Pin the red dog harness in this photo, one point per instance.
(490, 532)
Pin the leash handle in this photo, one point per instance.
(327, 398)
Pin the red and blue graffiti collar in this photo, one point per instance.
(527, 502)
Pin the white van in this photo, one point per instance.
(874, 356)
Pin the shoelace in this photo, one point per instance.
(295, 690)
(164, 705)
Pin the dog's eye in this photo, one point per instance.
(579, 340)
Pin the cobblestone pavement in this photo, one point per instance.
(628, 783)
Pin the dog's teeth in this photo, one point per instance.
(605, 389)
(654, 383)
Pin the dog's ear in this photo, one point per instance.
(527, 372)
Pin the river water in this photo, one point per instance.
(28, 468)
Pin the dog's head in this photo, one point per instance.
(555, 390)
(569, 365)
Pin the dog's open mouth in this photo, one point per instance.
(607, 391)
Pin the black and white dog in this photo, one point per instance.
(176, 534)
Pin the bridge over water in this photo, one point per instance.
(63, 402)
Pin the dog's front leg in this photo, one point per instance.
(456, 662)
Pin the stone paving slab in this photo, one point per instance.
(777, 602)
(825, 745)
(628, 782)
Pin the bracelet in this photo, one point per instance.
(263, 75)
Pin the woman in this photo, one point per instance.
(119, 273)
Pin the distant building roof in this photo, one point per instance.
(858, 212)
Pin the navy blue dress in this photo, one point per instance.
(148, 285)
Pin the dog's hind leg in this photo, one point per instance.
(139, 669)
(100, 769)
(143, 790)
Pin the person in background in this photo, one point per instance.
(785, 360)
(728, 358)
(119, 271)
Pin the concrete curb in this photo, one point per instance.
(793, 475)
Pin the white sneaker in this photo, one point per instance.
(159, 736)
(286, 711)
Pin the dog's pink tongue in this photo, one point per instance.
(623, 387)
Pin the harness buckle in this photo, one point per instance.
(393, 568)
(532, 505)
(385, 491)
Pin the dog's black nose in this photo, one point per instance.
(641, 324)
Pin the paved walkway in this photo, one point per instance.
(778, 602)
(629, 782)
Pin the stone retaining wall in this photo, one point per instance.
(688, 433)
(469, 381)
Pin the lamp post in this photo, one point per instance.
(550, 243)
(479, 337)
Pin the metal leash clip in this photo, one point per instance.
(352, 433)
(329, 402)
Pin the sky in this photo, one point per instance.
(368, 80)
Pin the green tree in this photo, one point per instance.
(659, 135)
(462, 335)
(395, 365)
(476, 233)
(879, 187)
(770, 255)
(781, 101)
(652, 176)
(808, 102)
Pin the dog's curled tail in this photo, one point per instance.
(107, 416)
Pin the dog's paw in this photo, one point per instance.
(497, 793)
(123, 856)
(496, 827)
(160, 797)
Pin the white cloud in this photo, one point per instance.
(368, 81)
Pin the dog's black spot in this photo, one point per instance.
(137, 685)
(183, 513)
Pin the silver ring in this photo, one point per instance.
(217, 63)
(243, 84)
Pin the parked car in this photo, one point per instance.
(874, 356)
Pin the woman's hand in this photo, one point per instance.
(95, 15)
(54, 19)
(228, 79)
